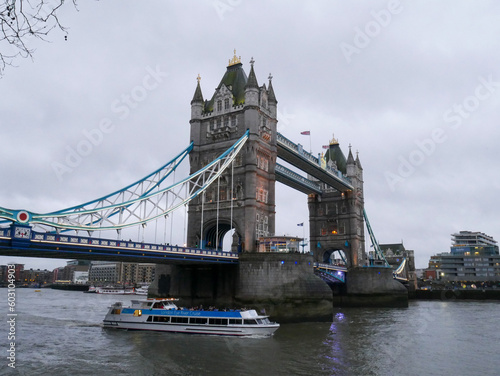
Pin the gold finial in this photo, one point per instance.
(235, 60)
(334, 141)
(198, 78)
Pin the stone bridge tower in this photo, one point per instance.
(243, 198)
(336, 218)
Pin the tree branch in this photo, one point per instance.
(21, 20)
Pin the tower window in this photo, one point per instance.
(219, 105)
(226, 103)
(223, 194)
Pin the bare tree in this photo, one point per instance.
(24, 19)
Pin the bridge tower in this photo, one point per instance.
(243, 198)
(336, 218)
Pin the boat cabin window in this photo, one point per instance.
(235, 321)
(250, 322)
(217, 321)
(198, 320)
(160, 319)
(180, 320)
(158, 305)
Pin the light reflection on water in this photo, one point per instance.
(60, 333)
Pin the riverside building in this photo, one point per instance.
(474, 257)
(126, 273)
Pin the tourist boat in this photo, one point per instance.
(143, 290)
(91, 290)
(163, 315)
(114, 290)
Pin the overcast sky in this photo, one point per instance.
(413, 86)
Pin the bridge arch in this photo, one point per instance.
(214, 232)
(334, 256)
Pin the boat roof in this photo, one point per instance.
(189, 312)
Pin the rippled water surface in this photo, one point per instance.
(60, 333)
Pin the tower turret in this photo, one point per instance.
(358, 164)
(271, 98)
(197, 101)
(252, 88)
(351, 164)
(197, 109)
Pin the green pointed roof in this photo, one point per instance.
(235, 80)
(335, 154)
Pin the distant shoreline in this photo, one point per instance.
(457, 294)
(70, 287)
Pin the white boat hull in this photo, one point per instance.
(164, 316)
(194, 329)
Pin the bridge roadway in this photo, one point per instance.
(305, 161)
(22, 241)
(296, 181)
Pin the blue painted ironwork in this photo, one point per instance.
(398, 273)
(137, 204)
(21, 240)
(376, 247)
(331, 273)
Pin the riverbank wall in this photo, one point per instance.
(371, 287)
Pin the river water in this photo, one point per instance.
(60, 333)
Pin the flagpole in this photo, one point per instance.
(308, 133)
(303, 239)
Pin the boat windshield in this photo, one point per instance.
(164, 305)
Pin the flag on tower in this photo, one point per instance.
(326, 146)
(306, 133)
(300, 224)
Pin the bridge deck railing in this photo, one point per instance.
(330, 267)
(75, 240)
(331, 272)
(297, 177)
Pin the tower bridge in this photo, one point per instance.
(233, 157)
